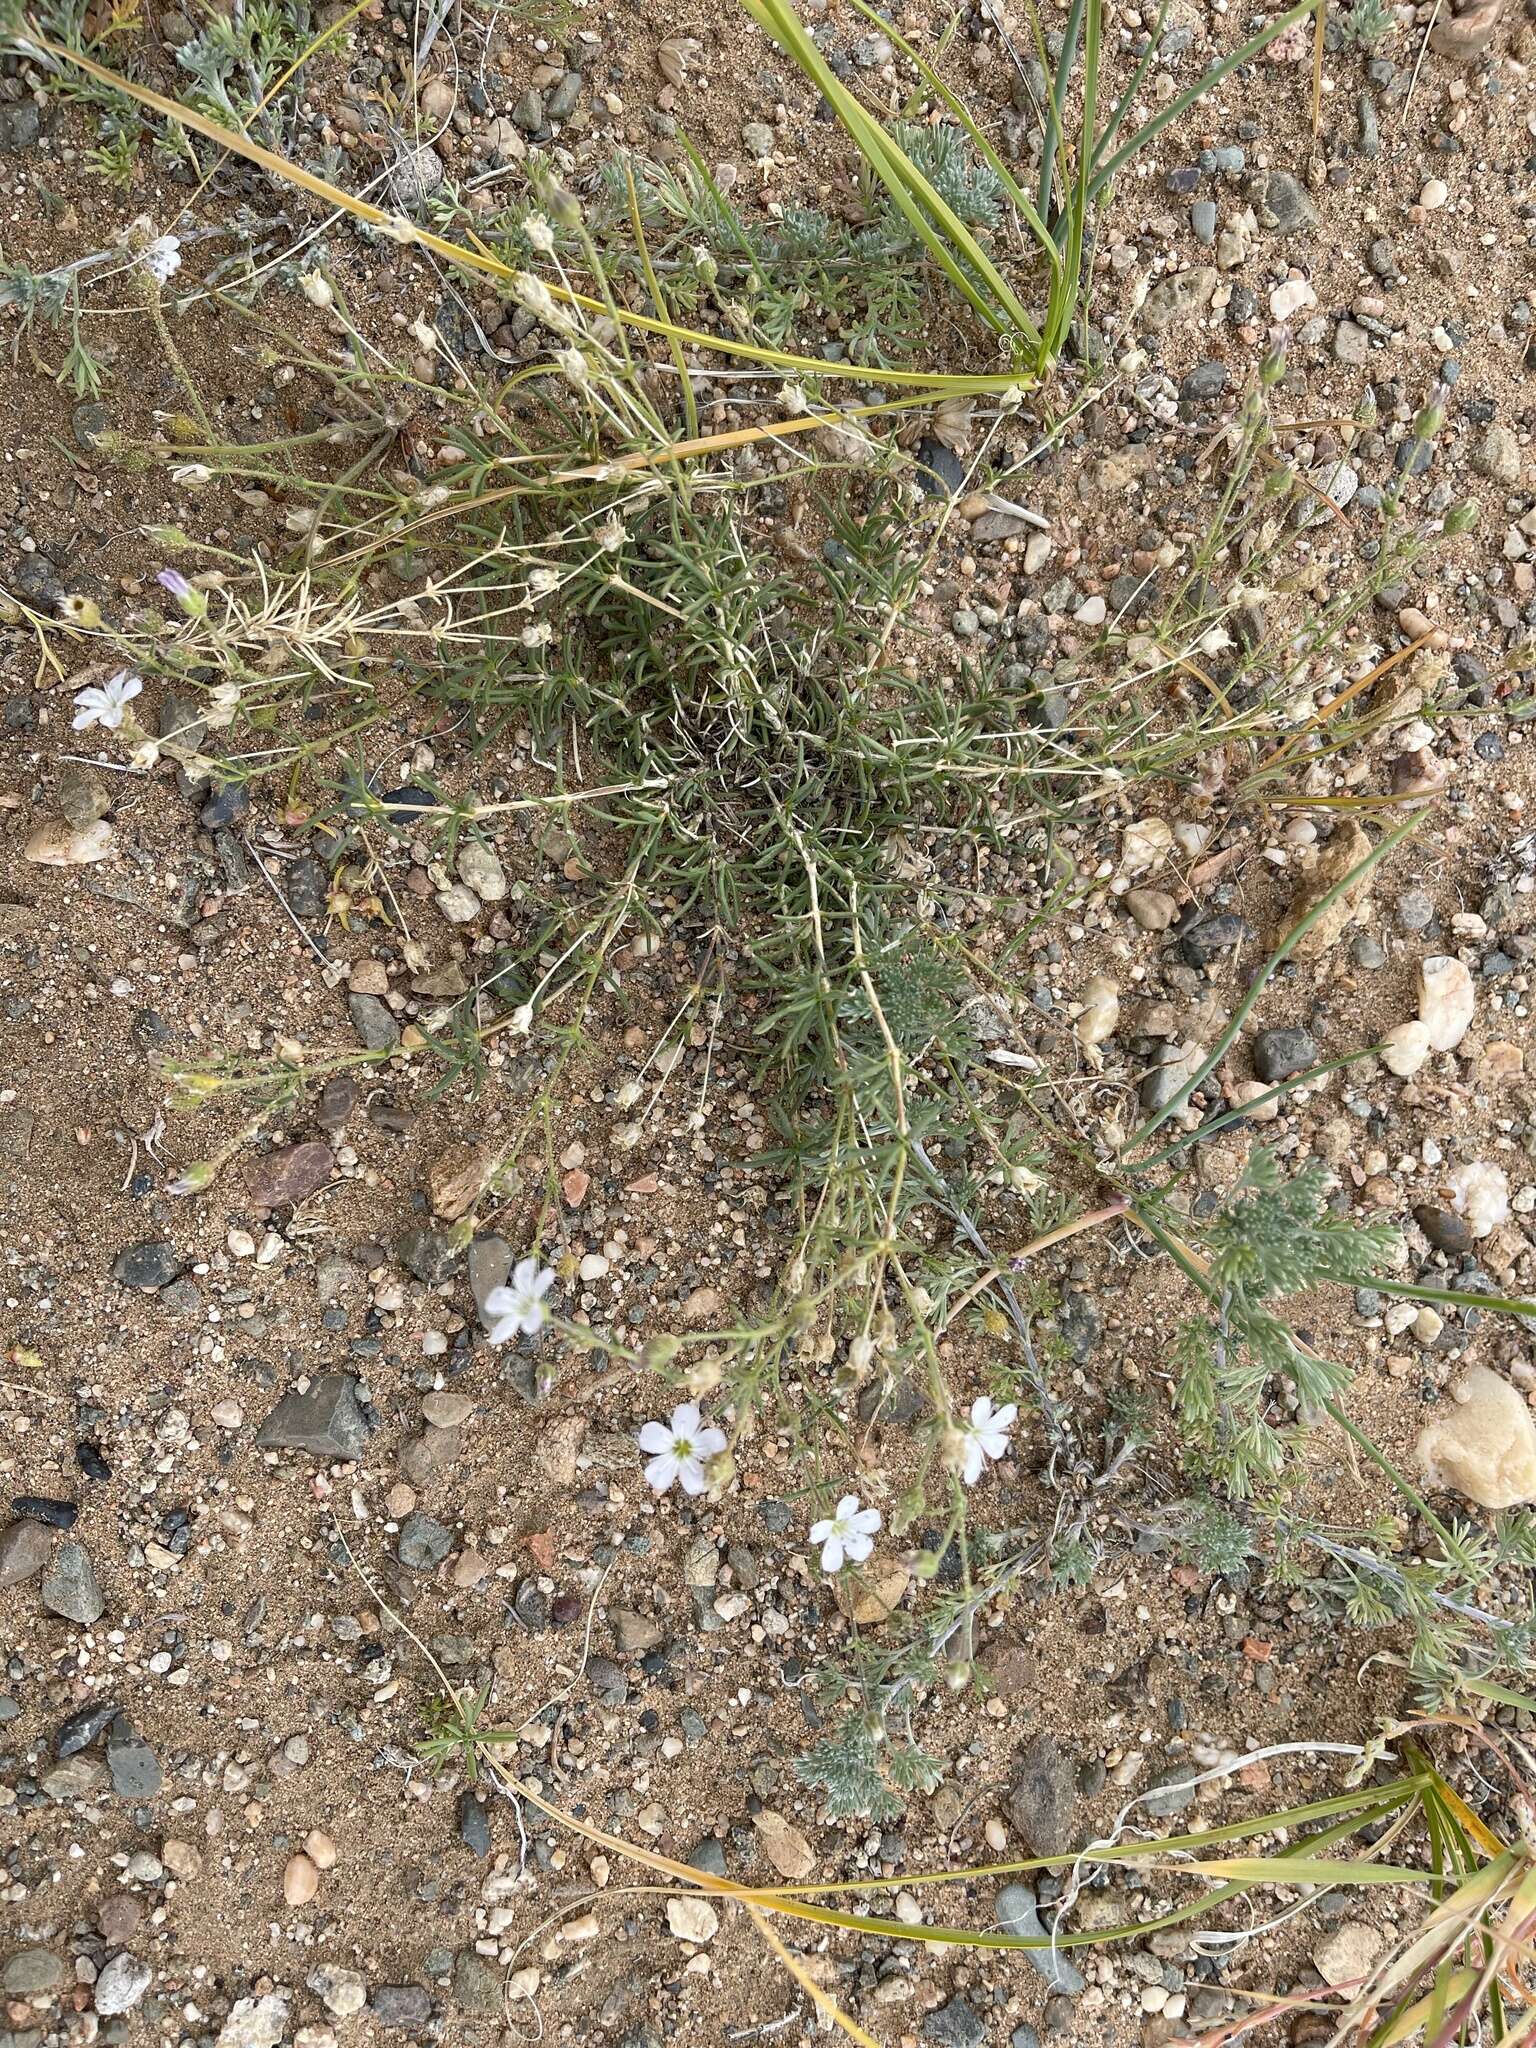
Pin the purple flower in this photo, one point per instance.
(177, 584)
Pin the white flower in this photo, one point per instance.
(162, 258)
(678, 1450)
(520, 1023)
(316, 288)
(537, 635)
(519, 1306)
(983, 1436)
(107, 706)
(848, 1536)
(540, 234)
(542, 581)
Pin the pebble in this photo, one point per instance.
(759, 140)
(1479, 1192)
(1405, 1047)
(1207, 941)
(402, 2006)
(133, 1766)
(69, 1586)
(255, 2022)
(480, 870)
(301, 1880)
(33, 1973)
(340, 1990)
(474, 1825)
(122, 1983)
(1482, 1442)
(1042, 1800)
(289, 1175)
(326, 1419)
(1278, 1055)
(148, 1266)
(423, 1543)
(1434, 194)
(1496, 455)
(373, 1022)
(459, 904)
(1153, 909)
(1017, 1914)
(955, 2025)
(1348, 1953)
(692, 1919)
(1447, 1000)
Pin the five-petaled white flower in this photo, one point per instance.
(677, 1450)
(519, 1306)
(162, 258)
(107, 706)
(849, 1535)
(984, 1435)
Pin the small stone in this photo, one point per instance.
(1446, 1231)
(1346, 1955)
(82, 795)
(118, 1918)
(1278, 1055)
(338, 1100)
(1479, 1192)
(446, 1409)
(400, 2006)
(474, 1825)
(1447, 1000)
(326, 1420)
(955, 2026)
(134, 1768)
(476, 1987)
(480, 870)
(423, 1543)
(58, 844)
(69, 1586)
(1175, 301)
(82, 1727)
(33, 1973)
(320, 1849)
(1282, 203)
(1496, 456)
(122, 1983)
(1017, 1915)
(1434, 195)
(1153, 909)
(459, 904)
(373, 1022)
(692, 1919)
(426, 1458)
(340, 1990)
(1042, 1801)
(1405, 1047)
(24, 1550)
(457, 1178)
(181, 1860)
(1351, 344)
(759, 140)
(149, 1266)
(289, 1175)
(255, 2022)
(301, 1880)
(1482, 1443)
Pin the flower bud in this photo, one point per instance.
(316, 287)
(1462, 517)
(192, 1179)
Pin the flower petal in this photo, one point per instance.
(820, 1531)
(691, 1473)
(708, 1441)
(847, 1506)
(660, 1472)
(832, 1554)
(685, 1419)
(656, 1438)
